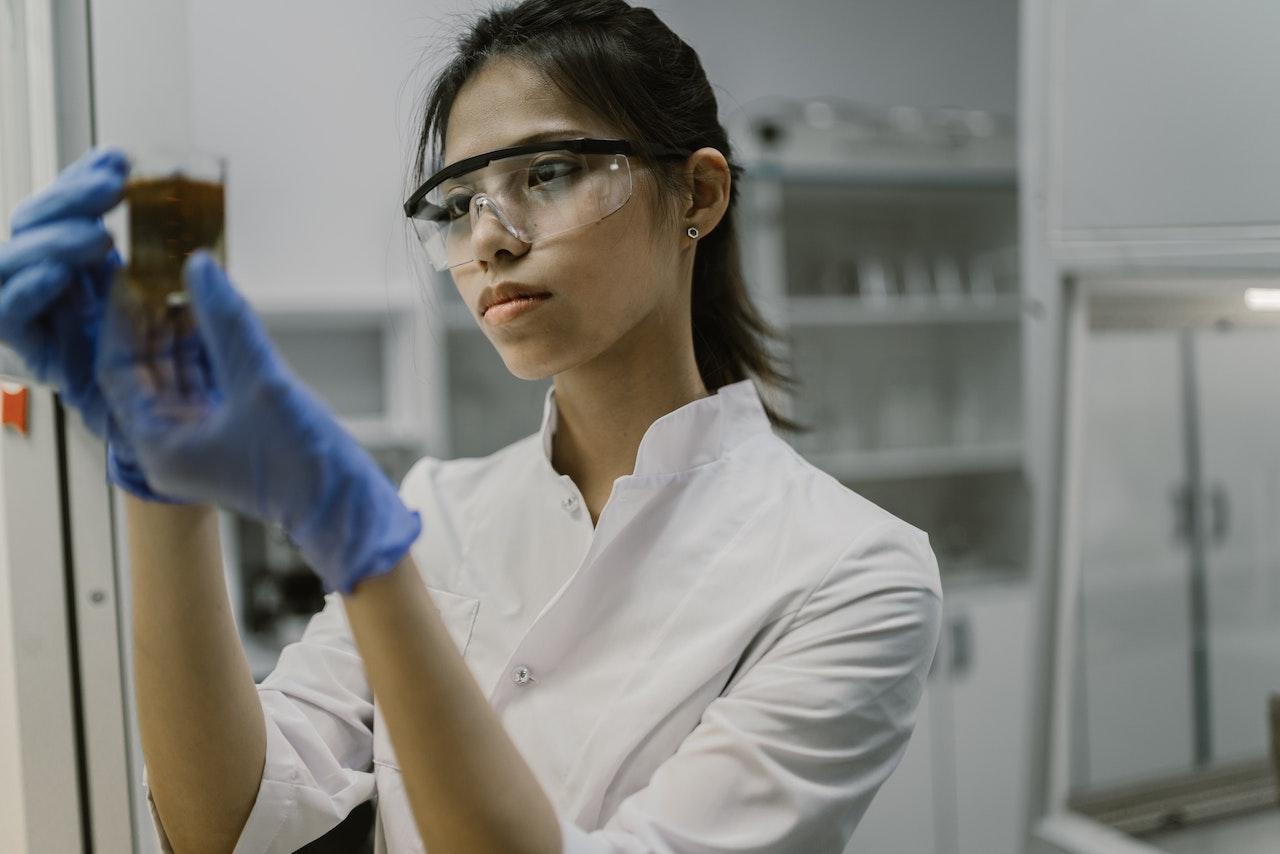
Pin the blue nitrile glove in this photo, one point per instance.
(217, 416)
(54, 277)
(55, 273)
(124, 470)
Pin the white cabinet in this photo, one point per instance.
(900, 819)
(959, 788)
(1161, 119)
(990, 703)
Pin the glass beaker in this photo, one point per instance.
(173, 205)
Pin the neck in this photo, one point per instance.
(605, 405)
(602, 415)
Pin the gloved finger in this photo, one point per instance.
(98, 166)
(158, 358)
(162, 356)
(31, 291)
(73, 242)
(190, 360)
(100, 274)
(102, 156)
(169, 401)
(193, 357)
(121, 366)
(89, 193)
(239, 350)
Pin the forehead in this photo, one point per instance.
(508, 102)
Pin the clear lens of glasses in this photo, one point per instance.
(531, 196)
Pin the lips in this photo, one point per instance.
(506, 292)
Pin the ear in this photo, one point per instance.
(709, 180)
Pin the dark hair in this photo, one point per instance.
(629, 68)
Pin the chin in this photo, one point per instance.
(523, 367)
(535, 357)
(532, 375)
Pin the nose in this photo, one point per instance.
(492, 232)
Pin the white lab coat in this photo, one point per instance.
(730, 660)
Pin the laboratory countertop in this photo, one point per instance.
(1252, 833)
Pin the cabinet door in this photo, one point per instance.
(1135, 695)
(1239, 414)
(900, 819)
(1163, 120)
(990, 713)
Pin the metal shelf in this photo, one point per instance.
(906, 463)
(876, 166)
(861, 311)
(924, 178)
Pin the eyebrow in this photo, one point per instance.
(540, 136)
(554, 133)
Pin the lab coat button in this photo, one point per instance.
(570, 503)
(521, 675)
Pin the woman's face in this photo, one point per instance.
(606, 279)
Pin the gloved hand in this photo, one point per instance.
(55, 275)
(216, 416)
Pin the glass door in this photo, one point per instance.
(1238, 400)
(1134, 685)
(1177, 545)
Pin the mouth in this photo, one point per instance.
(509, 309)
(521, 296)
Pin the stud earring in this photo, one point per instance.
(693, 232)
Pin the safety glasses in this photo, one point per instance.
(532, 191)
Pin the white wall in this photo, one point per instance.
(924, 53)
(309, 101)
(314, 102)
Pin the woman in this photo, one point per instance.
(650, 626)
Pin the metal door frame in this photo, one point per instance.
(72, 699)
(100, 593)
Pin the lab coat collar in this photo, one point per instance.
(699, 432)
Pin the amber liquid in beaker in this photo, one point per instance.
(169, 218)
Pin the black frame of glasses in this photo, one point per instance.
(582, 145)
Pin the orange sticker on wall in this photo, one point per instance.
(13, 407)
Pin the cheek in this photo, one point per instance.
(619, 273)
(624, 256)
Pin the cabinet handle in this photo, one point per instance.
(1183, 513)
(1220, 514)
(961, 646)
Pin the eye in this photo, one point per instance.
(456, 205)
(549, 170)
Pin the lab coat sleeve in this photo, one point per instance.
(789, 757)
(319, 716)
